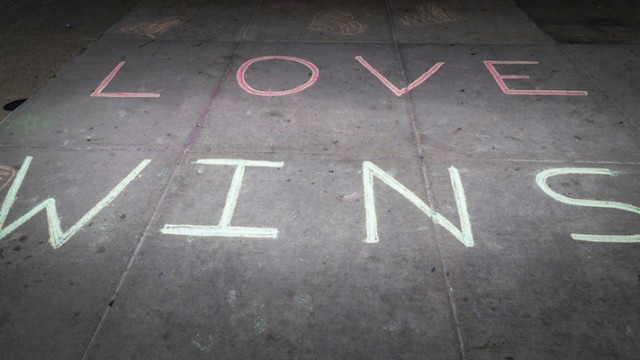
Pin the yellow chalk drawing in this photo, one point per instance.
(155, 28)
(7, 174)
(57, 237)
(337, 22)
(541, 180)
(370, 170)
(430, 14)
(224, 227)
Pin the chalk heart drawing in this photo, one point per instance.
(430, 14)
(155, 28)
(337, 22)
(7, 174)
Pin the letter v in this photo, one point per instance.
(57, 237)
(393, 88)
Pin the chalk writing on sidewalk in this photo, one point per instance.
(393, 88)
(314, 75)
(224, 227)
(98, 92)
(371, 171)
(499, 78)
(240, 76)
(57, 237)
(541, 180)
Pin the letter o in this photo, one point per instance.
(246, 87)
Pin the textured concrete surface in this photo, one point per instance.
(462, 109)
(587, 21)
(169, 195)
(39, 37)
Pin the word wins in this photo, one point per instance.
(370, 172)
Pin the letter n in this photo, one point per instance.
(370, 170)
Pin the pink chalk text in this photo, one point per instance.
(505, 89)
(393, 88)
(240, 76)
(98, 92)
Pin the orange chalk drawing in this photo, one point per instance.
(337, 22)
(430, 14)
(7, 174)
(155, 28)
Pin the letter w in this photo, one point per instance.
(370, 170)
(57, 237)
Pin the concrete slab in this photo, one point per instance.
(23, 69)
(464, 22)
(65, 115)
(527, 289)
(52, 299)
(616, 71)
(315, 291)
(322, 21)
(344, 111)
(462, 109)
(340, 236)
(38, 38)
(176, 20)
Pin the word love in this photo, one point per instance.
(370, 172)
(315, 74)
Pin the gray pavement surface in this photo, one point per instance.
(586, 21)
(318, 180)
(39, 37)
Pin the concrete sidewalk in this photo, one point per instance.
(313, 180)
